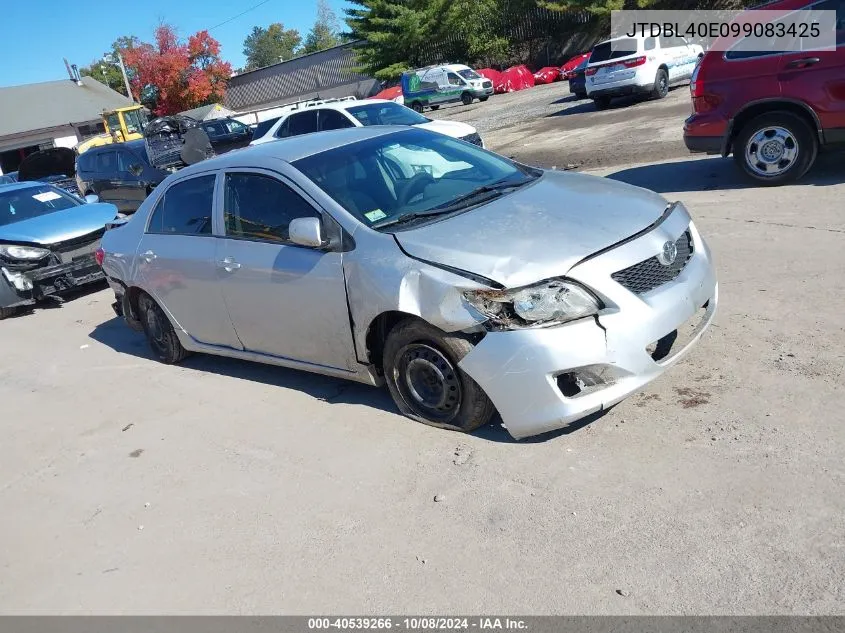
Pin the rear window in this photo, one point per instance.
(613, 50)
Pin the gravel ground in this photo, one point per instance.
(221, 486)
(547, 126)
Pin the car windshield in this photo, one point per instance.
(386, 114)
(411, 174)
(469, 74)
(613, 50)
(134, 122)
(17, 205)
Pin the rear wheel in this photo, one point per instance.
(5, 313)
(421, 368)
(466, 98)
(434, 107)
(602, 103)
(661, 84)
(160, 333)
(776, 148)
(416, 106)
(482, 99)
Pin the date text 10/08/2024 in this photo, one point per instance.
(417, 624)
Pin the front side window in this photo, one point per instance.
(454, 80)
(234, 127)
(124, 161)
(185, 208)
(410, 172)
(389, 113)
(259, 207)
(107, 162)
(17, 205)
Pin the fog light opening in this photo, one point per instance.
(661, 348)
(579, 383)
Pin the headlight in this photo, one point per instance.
(548, 303)
(27, 253)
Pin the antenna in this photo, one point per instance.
(69, 71)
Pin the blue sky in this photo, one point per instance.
(36, 34)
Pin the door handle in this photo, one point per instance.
(228, 264)
(148, 257)
(804, 62)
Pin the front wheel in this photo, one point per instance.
(160, 333)
(435, 107)
(422, 373)
(602, 103)
(775, 148)
(483, 99)
(466, 98)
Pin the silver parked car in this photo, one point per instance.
(465, 281)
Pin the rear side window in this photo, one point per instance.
(302, 123)
(333, 120)
(259, 207)
(619, 48)
(185, 208)
(650, 43)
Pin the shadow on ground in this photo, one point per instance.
(118, 336)
(715, 174)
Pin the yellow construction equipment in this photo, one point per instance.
(122, 124)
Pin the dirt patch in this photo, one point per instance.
(692, 397)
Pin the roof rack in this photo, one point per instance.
(310, 103)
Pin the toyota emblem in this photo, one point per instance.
(669, 254)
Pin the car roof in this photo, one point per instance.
(295, 147)
(136, 145)
(338, 105)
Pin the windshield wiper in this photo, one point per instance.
(408, 217)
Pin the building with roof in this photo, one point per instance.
(208, 112)
(51, 114)
(255, 95)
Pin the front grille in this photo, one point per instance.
(81, 246)
(487, 84)
(651, 273)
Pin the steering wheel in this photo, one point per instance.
(415, 185)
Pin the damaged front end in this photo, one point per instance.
(31, 273)
(174, 142)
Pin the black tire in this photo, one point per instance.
(5, 313)
(661, 84)
(416, 106)
(160, 333)
(601, 103)
(466, 98)
(455, 401)
(799, 135)
(483, 99)
(434, 107)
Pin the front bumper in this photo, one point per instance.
(20, 288)
(546, 378)
(481, 92)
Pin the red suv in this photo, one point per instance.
(775, 110)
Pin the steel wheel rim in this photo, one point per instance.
(428, 383)
(771, 151)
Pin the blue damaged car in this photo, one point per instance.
(48, 242)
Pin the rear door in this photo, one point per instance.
(107, 182)
(285, 300)
(177, 261)
(818, 77)
(678, 58)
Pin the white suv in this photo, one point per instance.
(316, 116)
(639, 66)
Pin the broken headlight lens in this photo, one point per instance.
(25, 253)
(548, 303)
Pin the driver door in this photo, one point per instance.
(285, 300)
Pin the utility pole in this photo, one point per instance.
(110, 59)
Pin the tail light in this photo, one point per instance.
(633, 63)
(591, 71)
(702, 101)
(99, 255)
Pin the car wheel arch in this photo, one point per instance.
(756, 108)
(378, 331)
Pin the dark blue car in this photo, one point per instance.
(48, 239)
(578, 81)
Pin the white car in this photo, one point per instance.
(317, 116)
(647, 66)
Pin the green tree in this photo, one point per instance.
(324, 33)
(394, 34)
(108, 72)
(476, 28)
(597, 7)
(264, 47)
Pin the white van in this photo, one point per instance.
(454, 82)
(639, 65)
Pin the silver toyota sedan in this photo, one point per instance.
(469, 283)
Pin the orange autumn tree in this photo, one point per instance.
(172, 76)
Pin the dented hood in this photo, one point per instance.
(56, 161)
(538, 231)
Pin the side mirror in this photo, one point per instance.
(136, 170)
(91, 198)
(307, 232)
